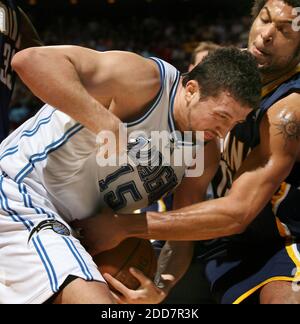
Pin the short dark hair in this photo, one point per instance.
(228, 69)
(259, 4)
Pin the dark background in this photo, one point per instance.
(123, 8)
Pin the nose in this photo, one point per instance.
(267, 34)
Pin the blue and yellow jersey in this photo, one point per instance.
(244, 137)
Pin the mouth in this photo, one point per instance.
(258, 51)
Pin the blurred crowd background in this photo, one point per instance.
(169, 29)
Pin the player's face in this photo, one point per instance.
(216, 116)
(273, 39)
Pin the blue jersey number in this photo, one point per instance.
(118, 200)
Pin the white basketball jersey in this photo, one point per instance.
(56, 156)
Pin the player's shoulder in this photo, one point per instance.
(281, 124)
(287, 105)
(127, 66)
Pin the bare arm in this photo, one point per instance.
(96, 89)
(261, 175)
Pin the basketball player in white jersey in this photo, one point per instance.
(49, 173)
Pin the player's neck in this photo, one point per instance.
(272, 76)
(180, 117)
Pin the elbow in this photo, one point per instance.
(25, 60)
(234, 227)
(237, 227)
(238, 220)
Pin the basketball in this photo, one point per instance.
(132, 252)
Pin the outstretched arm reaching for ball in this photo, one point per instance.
(259, 178)
(99, 90)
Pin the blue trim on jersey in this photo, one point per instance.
(28, 133)
(79, 259)
(52, 271)
(43, 121)
(171, 108)
(45, 265)
(29, 204)
(291, 85)
(12, 213)
(9, 151)
(2, 202)
(49, 149)
(39, 246)
(29, 225)
(162, 74)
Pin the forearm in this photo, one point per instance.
(212, 219)
(53, 77)
(207, 220)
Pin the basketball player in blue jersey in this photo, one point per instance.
(257, 182)
(49, 170)
(16, 32)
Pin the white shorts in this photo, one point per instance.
(37, 249)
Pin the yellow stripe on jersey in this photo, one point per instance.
(162, 206)
(253, 290)
(277, 199)
(283, 229)
(295, 256)
(280, 196)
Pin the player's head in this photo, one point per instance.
(274, 37)
(220, 92)
(200, 52)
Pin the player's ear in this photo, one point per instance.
(191, 89)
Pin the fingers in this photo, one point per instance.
(140, 276)
(119, 299)
(117, 285)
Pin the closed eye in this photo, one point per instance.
(265, 20)
(222, 116)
